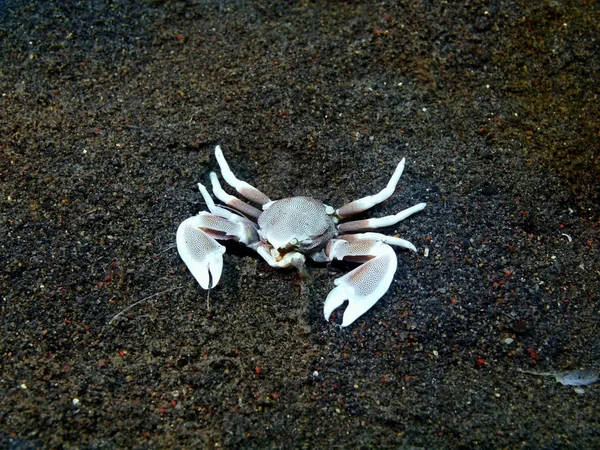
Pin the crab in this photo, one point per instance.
(287, 231)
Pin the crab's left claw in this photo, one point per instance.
(201, 253)
(363, 286)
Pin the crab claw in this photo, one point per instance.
(363, 286)
(200, 252)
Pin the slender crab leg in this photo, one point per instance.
(247, 190)
(231, 200)
(366, 284)
(348, 245)
(369, 224)
(362, 204)
(217, 210)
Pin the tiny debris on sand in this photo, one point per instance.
(570, 378)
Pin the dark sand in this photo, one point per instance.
(110, 111)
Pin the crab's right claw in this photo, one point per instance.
(200, 252)
(363, 286)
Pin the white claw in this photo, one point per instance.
(334, 300)
(363, 286)
(200, 253)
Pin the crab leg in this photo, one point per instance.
(366, 284)
(217, 210)
(362, 204)
(355, 245)
(248, 191)
(369, 224)
(231, 200)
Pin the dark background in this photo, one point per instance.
(110, 111)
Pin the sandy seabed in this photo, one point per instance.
(110, 111)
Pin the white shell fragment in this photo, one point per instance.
(577, 377)
(570, 378)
